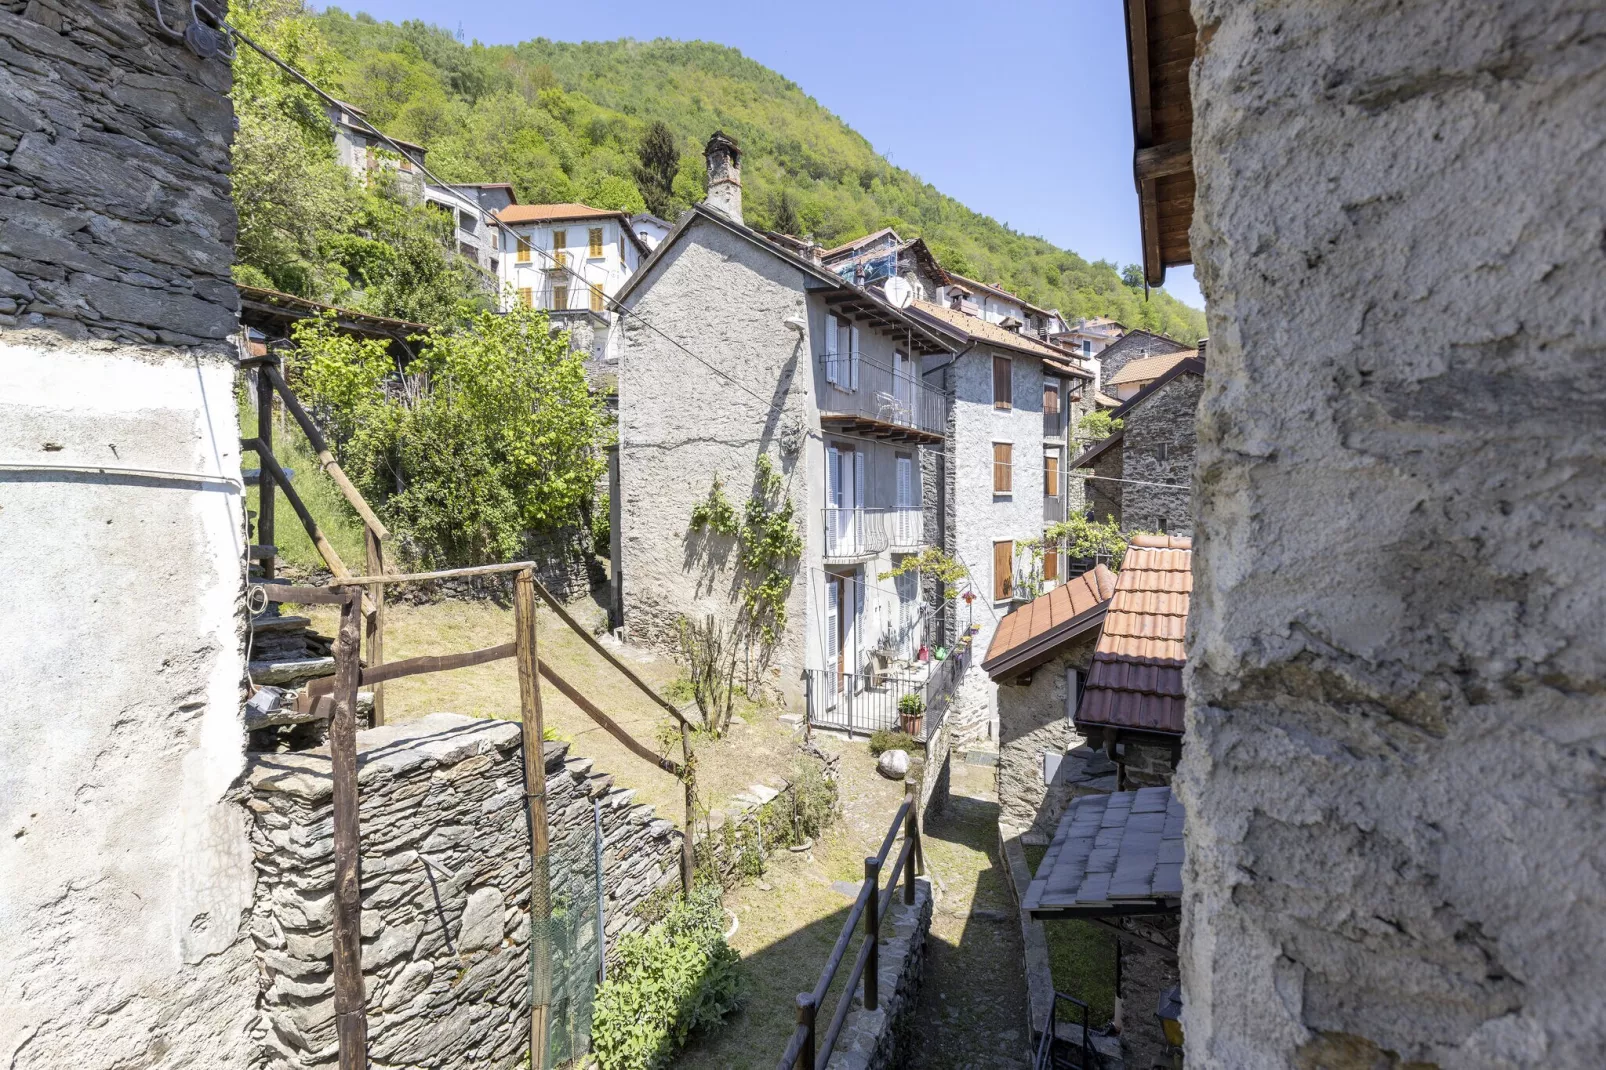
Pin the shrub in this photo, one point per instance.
(1098, 424)
(814, 799)
(678, 976)
(888, 739)
(911, 705)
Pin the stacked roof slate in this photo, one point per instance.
(1136, 678)
(1124, 849)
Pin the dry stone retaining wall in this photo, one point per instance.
(445, 877)
(881, 1039)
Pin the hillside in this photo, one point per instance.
(565, 122)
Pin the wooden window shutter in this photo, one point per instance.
(830, 349)
(527, 297)
(1051, 562)
(1003, 566)
(560, 247)
(560, 297)
(524, 250)
(1051, 475)
(1002, 397)
(1003, 467)
(596, 297)
(1051, 398)
(594, 241)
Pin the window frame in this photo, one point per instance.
(1051, 473)
(1003, 468)
(594, 242)
(556, 290)
(1007, 365)
(596, 297)
(1004, 585)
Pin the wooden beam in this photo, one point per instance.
(1148, 211)
(304, 596)
(265, 534)
(532, 729)
(440, 574)
(1137, 42)
(270, 464)
(351, 1022)
(1158, 161)
(376, 620)
(325, 457)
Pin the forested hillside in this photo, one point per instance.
(568, 122)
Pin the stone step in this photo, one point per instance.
(282, 623)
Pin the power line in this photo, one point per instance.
(490, 218)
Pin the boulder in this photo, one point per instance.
(893, 764)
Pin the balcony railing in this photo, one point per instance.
(879, 401)
(855, 534)
(1054, 425)
(862, 703)
(906, 528)
(1053, 509)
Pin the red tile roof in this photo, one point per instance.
(1030, 634)
(551, 213)
(1136, 679)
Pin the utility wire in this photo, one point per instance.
(489, 218)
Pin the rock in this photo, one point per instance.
(413, 980)
(893, 764)
(482, 921)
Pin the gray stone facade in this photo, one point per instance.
(446, 890)
(1132, 346)
(1158, 442)
(1396, 828)
(1034, 719)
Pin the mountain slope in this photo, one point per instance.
(564, 121)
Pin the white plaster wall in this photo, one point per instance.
(1396, 764)
(124, 871)
(982, 517)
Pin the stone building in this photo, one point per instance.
(1040, 657)
(1141, 476)
(1395, 719)
(1135, 345)
(737, 348)
(125, 875)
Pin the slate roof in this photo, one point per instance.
(1114, 853)
(1146, 368)
(1032, 633)
(1136, 678)
(974, 327)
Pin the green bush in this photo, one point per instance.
(814, 801)
(676, 977)
(1098, 424)
(888, 739)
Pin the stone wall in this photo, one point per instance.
(124, 872)
(1131, 346)
(446, 891)
(1396, 728)
(1034, 719)
(1158, 445)
(1146, 764)
(1104, 492)
(881, 1039)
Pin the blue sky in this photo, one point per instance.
(1018, 109)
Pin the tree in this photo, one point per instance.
(786, 220)
(659, 161)
(1132, 276)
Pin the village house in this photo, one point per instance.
(1133, 345)
(570, 259)
(1089, 337)
(787, 362)
(1141, 476)
(650, 229)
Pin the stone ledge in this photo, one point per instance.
(879, 1039)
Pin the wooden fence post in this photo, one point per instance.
(530, 719)
(264, 480)
(376, 619)
(806, 1012)
(688, 847)
(872, 933)
(351, 1022)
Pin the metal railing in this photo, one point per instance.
(1055, 1054)
(873, 391)
(1054, 424)
(906, 528)
(807, 1051)
(1053, 508)
(863, 703)
(855, 533)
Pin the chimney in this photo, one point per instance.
(724, 176)
(1203, 342)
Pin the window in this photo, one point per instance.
(596, 297)
(1051, 474)
(560, 296)
(1162, 525)
(1051, 398)
(1003, 569)
(406, 163)
(527, 297)
(468, 250)
(841, 353)
(594, 241)
(1003, 467)
(1163, 451)
(1051, 563)
(1087, 348)
(621, 246)
(466, 221)
(524, 249)
(1002, 396)
(560, 246)
(496, 266)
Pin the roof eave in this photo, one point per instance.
(1034, 652)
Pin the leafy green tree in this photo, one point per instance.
(785, 217)
(492, 436)
(1132, 276)
(658, 164)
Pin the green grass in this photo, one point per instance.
(1081, 957)
(336, 519)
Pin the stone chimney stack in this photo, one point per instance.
(724, 176)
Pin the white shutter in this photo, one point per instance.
(853, 358)
(833, 497)
(906, 489)
(831, 612)
(830, 349)
(858, 626)
(858, 479)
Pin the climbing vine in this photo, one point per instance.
(1077, 537)
(768, 542)
(936, 564)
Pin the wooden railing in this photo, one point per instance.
(269, 380)
(807, 1051)
(339, 695)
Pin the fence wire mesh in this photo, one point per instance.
(574, 953)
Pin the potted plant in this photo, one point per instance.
(911, 713)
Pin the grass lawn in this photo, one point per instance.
(1081, 956)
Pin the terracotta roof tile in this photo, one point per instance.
(544, 213)
(1145, 368)
(1136, 677)
(1033, 621)
(993, 334)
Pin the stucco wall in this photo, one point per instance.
(124, 873)
(680, 423)
(1397, 731)
(981, 517)
(1165, 420)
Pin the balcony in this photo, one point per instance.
(866, 398)
(1054, 426)
(1053, 509)
(855, 535)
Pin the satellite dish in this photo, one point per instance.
(899, 292)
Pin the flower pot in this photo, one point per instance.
(912, 723)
